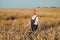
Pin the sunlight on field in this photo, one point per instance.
(13, 21)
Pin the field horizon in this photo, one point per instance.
(13, 21)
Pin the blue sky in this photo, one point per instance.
(28, 3)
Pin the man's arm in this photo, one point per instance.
(39, 25)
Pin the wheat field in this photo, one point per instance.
(13, 21)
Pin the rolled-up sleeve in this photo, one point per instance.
(36, 21)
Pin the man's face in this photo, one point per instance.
(33, 12)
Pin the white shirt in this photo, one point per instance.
(37, 19)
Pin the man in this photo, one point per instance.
(34, 21)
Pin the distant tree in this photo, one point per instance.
(53, 6)
(38, 7)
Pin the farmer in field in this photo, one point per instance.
(34, 21)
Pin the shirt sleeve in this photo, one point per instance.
(36, 21)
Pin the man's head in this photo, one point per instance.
(33, 12)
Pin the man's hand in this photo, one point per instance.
(27, 24)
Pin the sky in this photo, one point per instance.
(28, 3)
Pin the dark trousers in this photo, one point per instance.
(34, 27)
